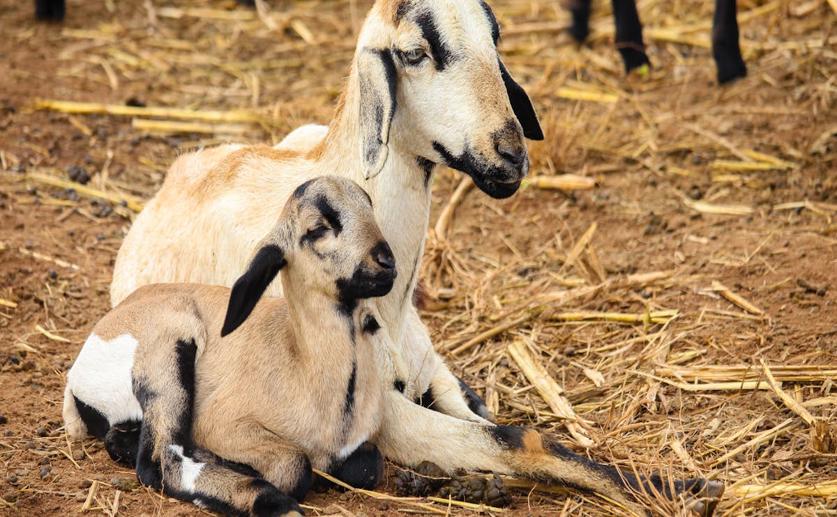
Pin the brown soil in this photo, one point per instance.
(652, 154)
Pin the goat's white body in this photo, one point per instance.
(101, 378)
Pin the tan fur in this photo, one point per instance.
(264, 395)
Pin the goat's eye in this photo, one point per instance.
(316, 232)
(414, 56)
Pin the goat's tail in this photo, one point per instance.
(73, 423)
(411, 434)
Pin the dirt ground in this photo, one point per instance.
(546, 268)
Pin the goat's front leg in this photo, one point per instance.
(436, 386)
(411, 434)
(725, 46)
(282, 464)
(164, 384)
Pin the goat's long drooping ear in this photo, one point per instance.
(251, 286)
(378, 82)
(522, 106)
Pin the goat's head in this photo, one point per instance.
(328, 238)
(432, 84)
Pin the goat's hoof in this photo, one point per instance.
(705, 501)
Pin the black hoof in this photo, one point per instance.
(633, 58)
(364, 468)
(122, 442)
(731, 70)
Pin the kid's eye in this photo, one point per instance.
(316, 232)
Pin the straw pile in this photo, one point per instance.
(660, 293)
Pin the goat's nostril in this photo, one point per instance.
(382, 255)
(514, 154)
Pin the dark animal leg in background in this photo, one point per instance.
(725, 47)
(629, 34)
(49, 10)
(580, 10)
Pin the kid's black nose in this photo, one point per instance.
(383, 256)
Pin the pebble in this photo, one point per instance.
(85, 483)
(3, 419)
(44, 472)
(78, 454)
(125, 484)
(78, 174)
(42, 431)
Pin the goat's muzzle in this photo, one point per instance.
(374, 276)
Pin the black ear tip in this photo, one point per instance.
(230, 324)
(535, 133)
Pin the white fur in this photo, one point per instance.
(101, 377)
(303, 138)
(189, 469)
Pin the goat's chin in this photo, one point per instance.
(496, 189)
(364, 284)
(498, 180)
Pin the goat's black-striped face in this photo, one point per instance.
(328, 239)
(336, 245)
(453, 100)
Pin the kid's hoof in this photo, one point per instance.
(706, 499)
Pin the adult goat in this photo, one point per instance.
(426, 86)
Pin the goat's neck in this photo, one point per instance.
(322, 334)
(400, 196)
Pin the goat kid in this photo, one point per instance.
(236, 409)
(426, 86)
(234, 423)
(725, 47)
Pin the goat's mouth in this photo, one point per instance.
(497, 180)
(366, 284)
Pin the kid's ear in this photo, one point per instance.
(247, 290)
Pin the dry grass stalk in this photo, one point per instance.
(561, 182)
(91, 495)
(7, 303)
(95, 108)
(85, 191)
(786, 399)
(717, 209)
(618, 317)
(176, 126)
(50, 335)
(446, 215)
(549, 390)
(582, 243)
(752, 492)
(759, 439)
(488, 334)
(586, 95)
(789, 373)
(47, 258)
(730, 165)
(735, 299)
(708, 386)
